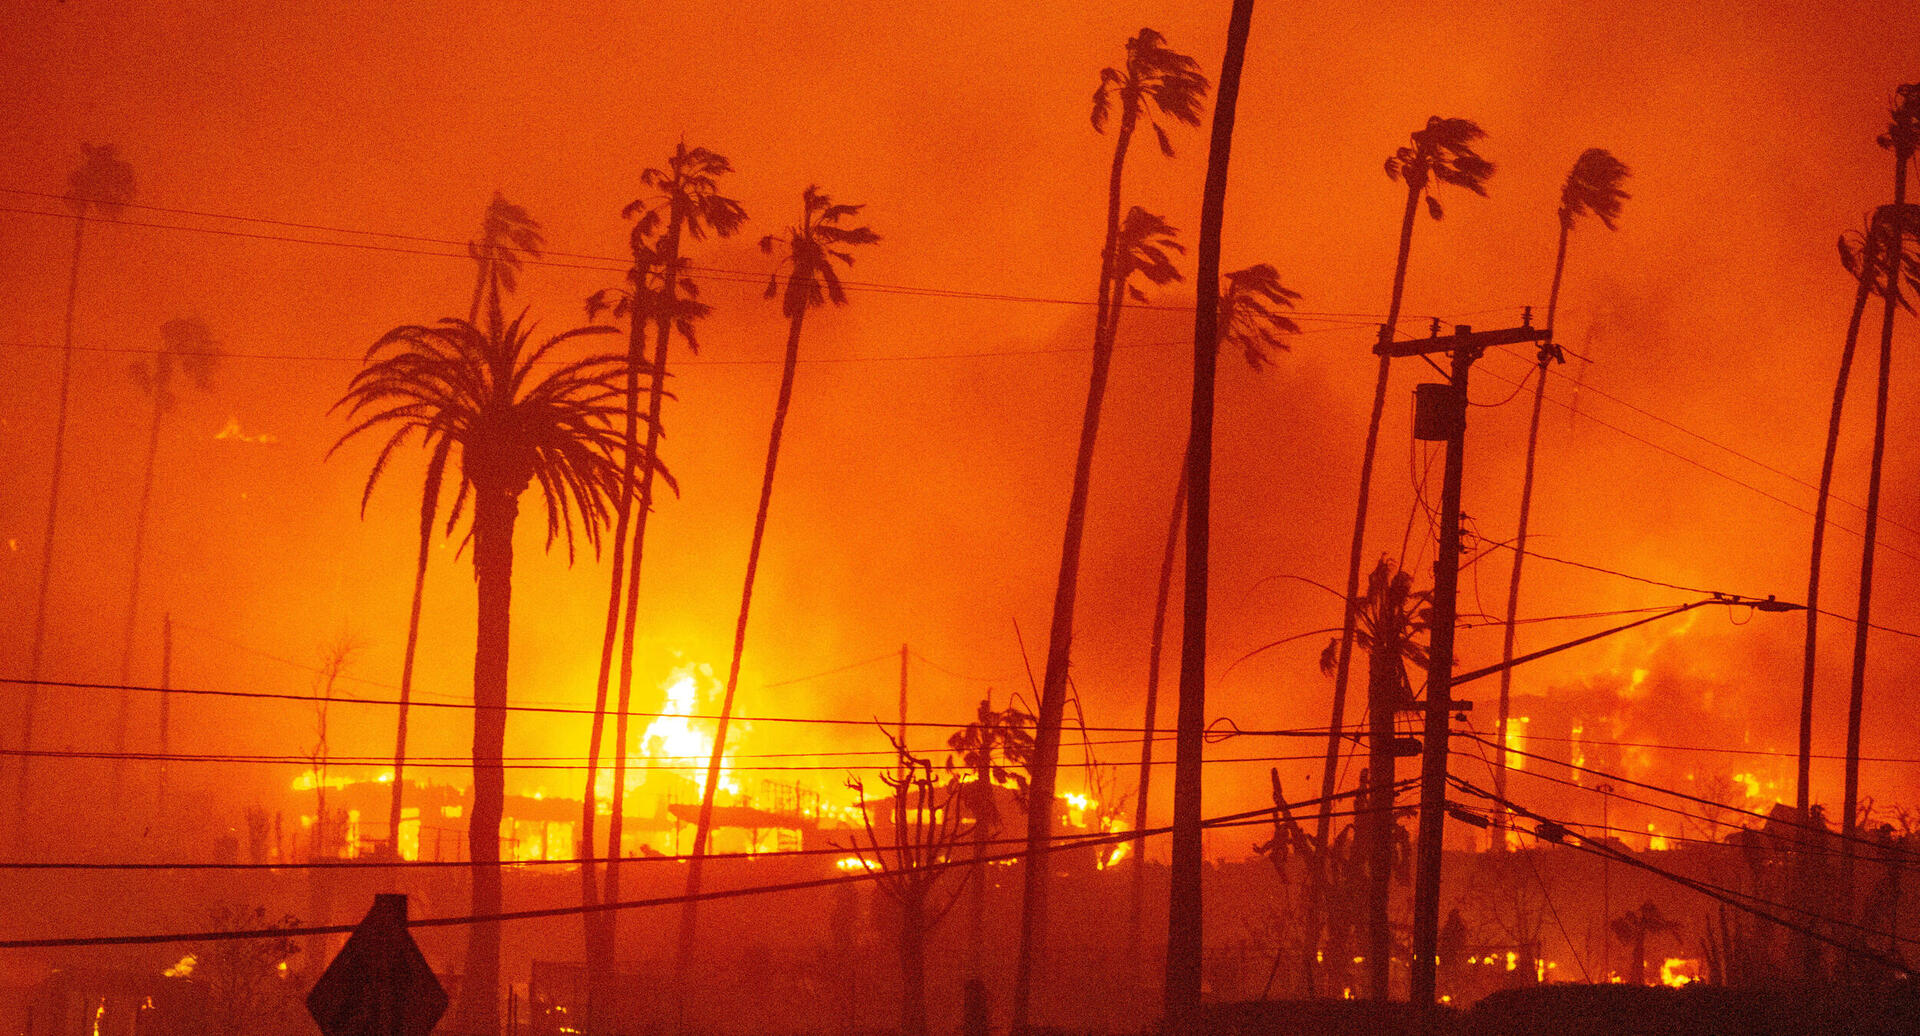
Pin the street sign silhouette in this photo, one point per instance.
(379, 984)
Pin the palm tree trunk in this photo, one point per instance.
(656, 397)
(1806, 951)
(1802, 786)
(395, 804)
(1053, 682)
(1520, 551)
(30, 702)
(1154, 646)
(689, 911)
(1344, 664)
(1856, 689)
(123, 713)
(495, 510)
(597, 926)
(1383, 692)
(1184, 918)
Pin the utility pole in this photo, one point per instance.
(1441, 414)
(166, 715)
(903, 712)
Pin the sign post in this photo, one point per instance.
(379, 984)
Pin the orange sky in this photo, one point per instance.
(921, 500)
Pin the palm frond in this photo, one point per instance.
(104, 182)
(1593, 186)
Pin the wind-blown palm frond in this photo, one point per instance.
(1593, 186)
(507, 232)
(813, 281)
(461, 388)
(185, 344)
(1442, 151)
(1888, 224)
(103, 183)
(1142, 247)
(1251, 314)
(1156, 78)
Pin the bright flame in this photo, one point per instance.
(853, 863)
(1678, 971)
(1517, 741)
(182, 969)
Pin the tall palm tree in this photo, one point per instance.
(1252, 319)
(1184, 918)
(185, 345)
(103, 185)
(1154, 81)
(1442, 153)
(1866, 259)
(1902, 138)
(685, 201)
(1592, 188)
(482, 393)
(506, 231)
(812, 246)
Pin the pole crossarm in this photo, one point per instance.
(1464, 337)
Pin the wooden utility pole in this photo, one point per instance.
(903, 712)
(1441, 413)
(166, 715)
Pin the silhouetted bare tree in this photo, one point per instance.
(1592, 188)
(812, 246)
(483, 393)
(914, 866)
(1155, 81)
(103, 184)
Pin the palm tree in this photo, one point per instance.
(1864, 257)
(1592, 188)
(686, 202)
(188, 346)
(1902, 138)
(1386, 623)
(812, 246)
(995, 751)
(104, 185)
(1633, 927)
(1443, 152)
(1252, 319)
(480, 392)
(1184, 918)
(506, 231)
(1155, 81)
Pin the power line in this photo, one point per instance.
(1796, 823)
(865, 874)
(1718, 445)
(339, 699)
(1742, 483)
(1738, 900)
(588, 261)
(646, 764)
